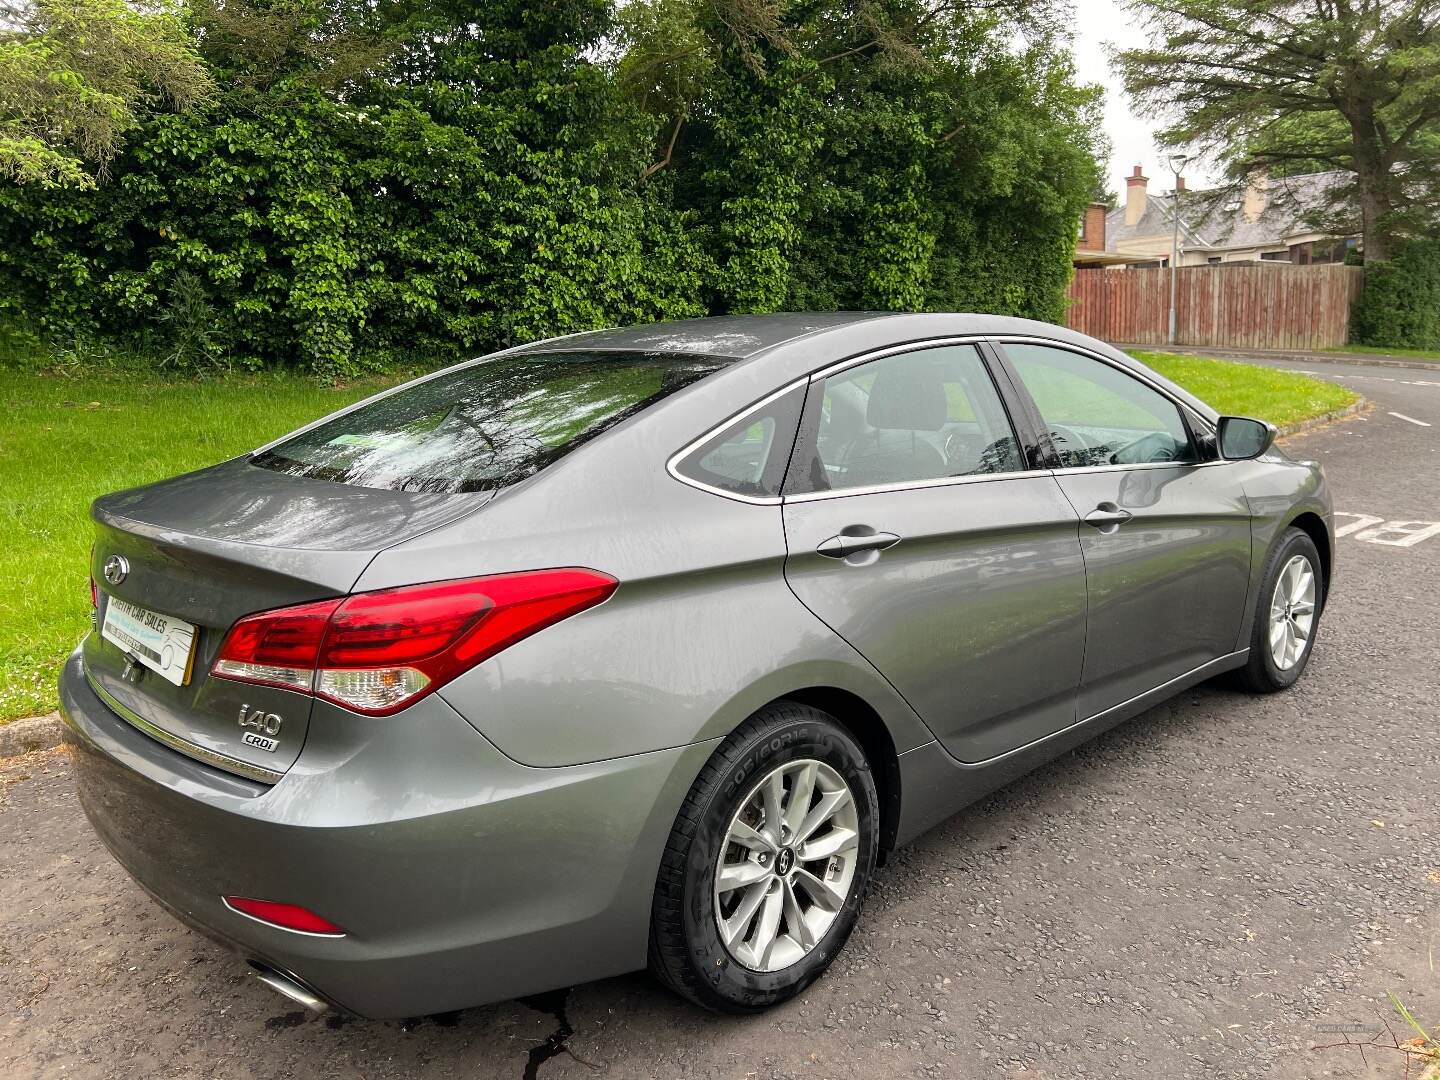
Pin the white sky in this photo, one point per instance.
(1104, 22)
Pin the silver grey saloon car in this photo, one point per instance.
(643, 647)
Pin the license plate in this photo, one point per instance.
(163, 643)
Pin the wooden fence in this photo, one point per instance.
(1242, 305)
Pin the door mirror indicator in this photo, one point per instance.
(1242, 438)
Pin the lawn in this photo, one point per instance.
(67, 439)
(1429, 355)
(1282, 397)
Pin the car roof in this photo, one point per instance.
(738, 336)
(744, 337)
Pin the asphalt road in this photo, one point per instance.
(1212, 890)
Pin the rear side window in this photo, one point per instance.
(912, 417)
(488, 425)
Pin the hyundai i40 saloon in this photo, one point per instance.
(642, 647)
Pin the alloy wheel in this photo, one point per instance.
(1292, 612)
(787, 865)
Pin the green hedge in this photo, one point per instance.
(1399, 307)
(488, 184)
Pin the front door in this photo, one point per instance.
(1166, 536)
(915, 531)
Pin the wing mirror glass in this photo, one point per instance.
(1242, 438)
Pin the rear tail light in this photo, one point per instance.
(277, 648)
(285, 916)
(378, 652)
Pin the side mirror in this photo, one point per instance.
(1241, 438)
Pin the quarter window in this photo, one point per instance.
(749, 456)
(915, 416)
(1096, 414)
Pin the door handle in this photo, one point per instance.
(847, 544)
(1107, 517)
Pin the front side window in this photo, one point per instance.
(1096, 414)
(487, 425)
(923, 415)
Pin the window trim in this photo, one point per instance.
(907, 485)
(1188, 416)
(998, 378)
(1016, 401)
(672, 463)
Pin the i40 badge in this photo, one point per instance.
(266, 726)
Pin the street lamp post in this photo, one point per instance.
(1177, 166)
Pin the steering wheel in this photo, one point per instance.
(1155, 447)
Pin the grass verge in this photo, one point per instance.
(69, 438)
(1236, 389)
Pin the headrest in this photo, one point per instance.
(907, 395)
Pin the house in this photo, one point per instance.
(1264, 223)
(1090, 247)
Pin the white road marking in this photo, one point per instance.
(1366, 378)
(1376, 530)
(1386, 378)
(1409, 419)
(1400, 533)
(1362, 521)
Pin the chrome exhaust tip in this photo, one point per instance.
(290, 988)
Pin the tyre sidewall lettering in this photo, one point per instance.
(773, 744)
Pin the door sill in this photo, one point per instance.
(1125, 709)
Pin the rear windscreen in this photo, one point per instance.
(487, 425)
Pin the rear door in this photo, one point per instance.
(916, 531)
(1166, 535)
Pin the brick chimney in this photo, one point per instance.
(1179, 183)
(1135, 196)
(1257, 194)
(1092, 229)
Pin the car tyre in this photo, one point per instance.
(1293, 564)
(751, 971)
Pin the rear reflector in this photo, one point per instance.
(378, 652)
(285, 916)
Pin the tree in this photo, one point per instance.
(1351, 85)
(1400, 305)
(76, 76)
(400, 182)
(874, 154)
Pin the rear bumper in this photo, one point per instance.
(459, 875)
